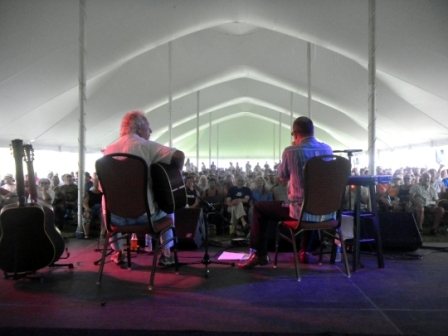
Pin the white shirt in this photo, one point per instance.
(150, 151)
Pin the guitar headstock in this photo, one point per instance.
(28, 153)
(17, 149)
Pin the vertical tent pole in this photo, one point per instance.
(273, 147)
(291, 101)
(82, 104)
(309, 77)
(217, 145)
(210, 139)
(170, 95)
(279, 135)
(197, 129)
(372, 88)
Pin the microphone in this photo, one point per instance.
(348, 151)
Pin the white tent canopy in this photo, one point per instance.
(248, 60)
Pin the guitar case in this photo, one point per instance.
(168, 187)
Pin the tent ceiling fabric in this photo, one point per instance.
(248, 60)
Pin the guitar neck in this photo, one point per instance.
(28, 153)
(18, 158)
(31, 182)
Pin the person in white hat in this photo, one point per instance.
(9, 183)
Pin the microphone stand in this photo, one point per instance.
(206, 259)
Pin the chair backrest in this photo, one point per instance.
(124, 182)
(325, 179)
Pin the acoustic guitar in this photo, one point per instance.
(25, 241)
(168, 187)
(53, 233)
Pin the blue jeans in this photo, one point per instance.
(120, 221)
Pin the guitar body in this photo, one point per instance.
(168, 187)
(25, 245)
(50, 229)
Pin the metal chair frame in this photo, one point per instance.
(124, 182)
(325, 178)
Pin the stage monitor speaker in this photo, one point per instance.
(399, 231)
(189, 228)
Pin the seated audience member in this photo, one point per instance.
(350, 198)
(9, 192)
(261, 192)
(88, 183)
(280, 190)
(381, 188)
(390, 197)
(92, 208)
(58, 203)
(227, 183)
(403, 193)
(423, 197)
(212, 194)
(269, 180)
(9, 184)
(202, 184)
(444, 177)
(436, 182)
(192, 192)
(45, 193)
(238, 201)
(70, 192)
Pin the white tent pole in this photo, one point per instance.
(217, 145)
(290, 104)
(309, 77)
(209, 139)
(279, 135)
(82, 103)
(273, 147)
(372, 89)
(197, 129)
(170, 95)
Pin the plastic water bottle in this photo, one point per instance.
(338, 254)
(148, 243)
(134, 242)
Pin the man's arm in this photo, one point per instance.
(178, 159)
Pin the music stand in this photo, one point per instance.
(206, 258)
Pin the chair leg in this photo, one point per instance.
(176, 259)
(296, 257)
(128, 250)
(277, 239)
(321, 247)
(344, 252)
(103, 258)
(154, 262)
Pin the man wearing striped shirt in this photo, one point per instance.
(304, 147)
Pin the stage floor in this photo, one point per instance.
(408, 296)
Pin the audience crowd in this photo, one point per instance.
(233, 191)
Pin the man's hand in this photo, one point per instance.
(236, 201)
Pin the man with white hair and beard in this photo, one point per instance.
(134, 139)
